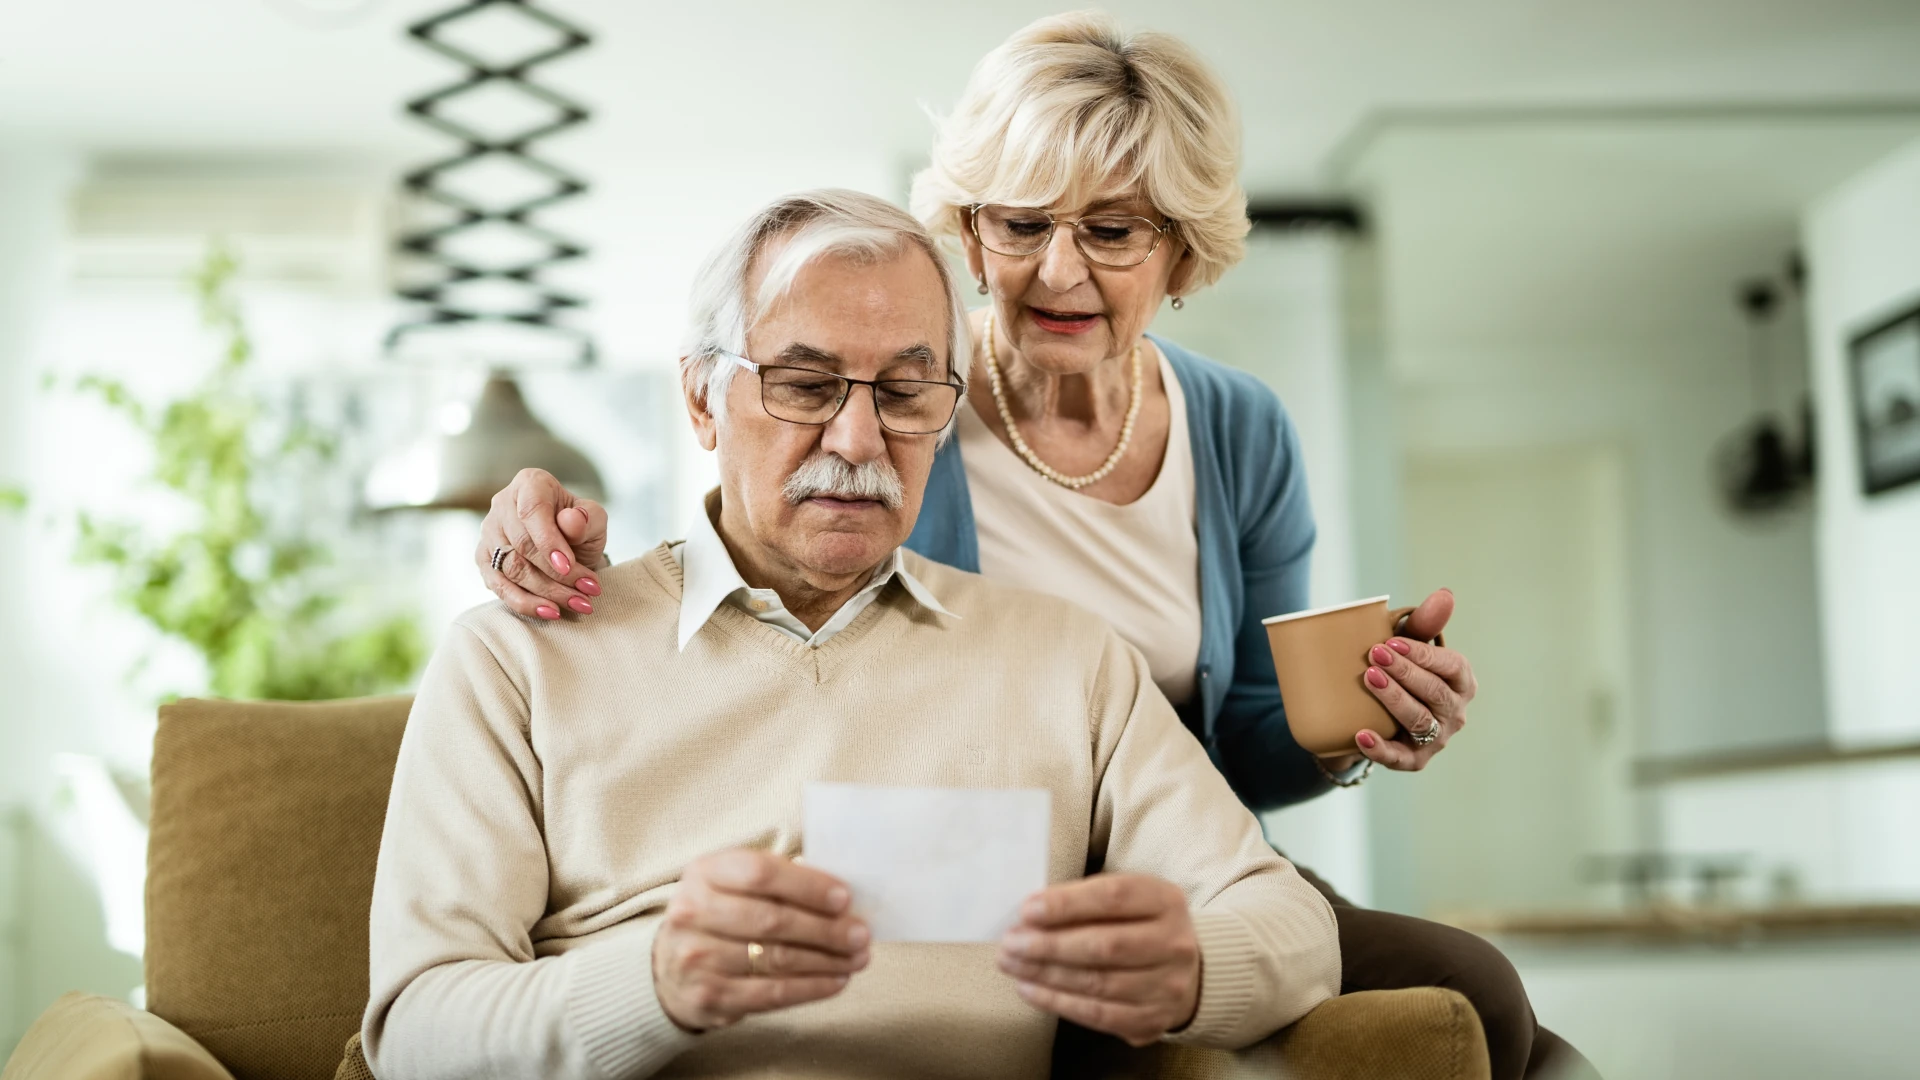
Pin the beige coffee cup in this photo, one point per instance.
(1321, 659)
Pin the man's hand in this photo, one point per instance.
(552, 547)
(1113, 952)
(702, 971)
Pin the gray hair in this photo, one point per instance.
(828, 221)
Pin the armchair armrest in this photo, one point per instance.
(88, 1037)
(1422, 1033)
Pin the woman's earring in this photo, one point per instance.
(983, 286)
(1178, 303)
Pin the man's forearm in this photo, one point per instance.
(1264, 963)
(1264, 960)
(589, 1014)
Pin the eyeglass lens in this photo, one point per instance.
(1111, 239)
(803, 396)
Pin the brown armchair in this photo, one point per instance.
(265, 828)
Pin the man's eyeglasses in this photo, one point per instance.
(1108, 239)
(805, 396)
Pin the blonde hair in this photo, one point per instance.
(1071, 110)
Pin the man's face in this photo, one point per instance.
(881, 320)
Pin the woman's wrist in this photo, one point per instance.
(1344, 775)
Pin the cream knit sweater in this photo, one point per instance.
(554, 779)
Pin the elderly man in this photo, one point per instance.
(591, 861)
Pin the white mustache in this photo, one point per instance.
(829, 474)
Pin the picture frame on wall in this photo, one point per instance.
(1885, 362)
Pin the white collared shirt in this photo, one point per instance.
(710, 579)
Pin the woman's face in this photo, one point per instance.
(1065, 314)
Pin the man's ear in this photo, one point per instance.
(694, 390)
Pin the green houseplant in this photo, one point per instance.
(243, 591)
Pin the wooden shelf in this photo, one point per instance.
(1653, 771)
(1679, 924)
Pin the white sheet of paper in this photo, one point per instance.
(931, 864)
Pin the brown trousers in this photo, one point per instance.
(1383, 951)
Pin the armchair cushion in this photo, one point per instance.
(88, 1037)
(353, 1065)
(266, 829)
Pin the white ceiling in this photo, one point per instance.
(1508, 246)
(1498, 227)
(686, 82)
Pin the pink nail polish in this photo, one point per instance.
(1377, 678)
(1400, 647)
(588, 585)
(1381, 655)
(547, 612)
(560, 563)
(579, 604)
(1367, 739)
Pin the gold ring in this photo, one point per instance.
(756, 959)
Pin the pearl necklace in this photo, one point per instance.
(1026, 453)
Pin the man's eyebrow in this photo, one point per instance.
(917, 354)
(799, 352)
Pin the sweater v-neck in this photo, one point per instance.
(813, 663)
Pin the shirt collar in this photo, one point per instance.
(709, 577)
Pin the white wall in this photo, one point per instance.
(1843, 832)
(1726, 648)
(1546, 286)
(1863, 248)
(62, 693)
(1280, 316)
(1528, 535)
(32, 193)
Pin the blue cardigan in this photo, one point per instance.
(1256, 534)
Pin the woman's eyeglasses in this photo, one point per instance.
(805, 396)
(1108, 239)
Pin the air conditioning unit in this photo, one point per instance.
(159, 223)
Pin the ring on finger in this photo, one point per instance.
(499, 558)
(756, 959)
(1423, 738)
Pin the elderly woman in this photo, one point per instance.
(1089, 176)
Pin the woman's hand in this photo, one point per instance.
(1113, 952)
(1421, 685)
(552, 542)
(749, 932)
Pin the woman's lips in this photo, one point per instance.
(1063, 322)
